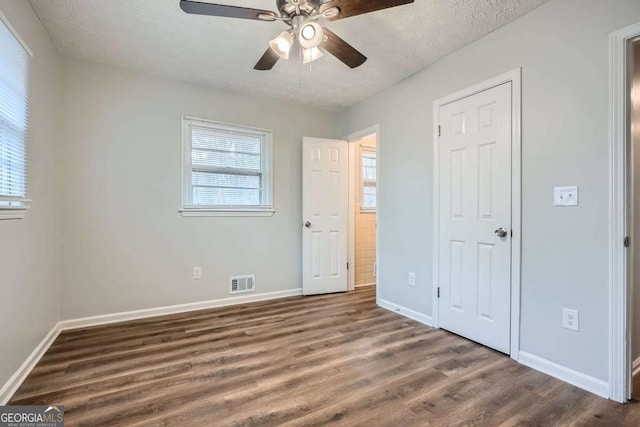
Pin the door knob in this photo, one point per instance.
(501, 232)
(307, 224)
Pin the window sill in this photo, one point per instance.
(12, 213)
(368, 211)
(225, 213)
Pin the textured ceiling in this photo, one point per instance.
(155, 36)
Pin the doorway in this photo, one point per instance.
(635, 223)
(624, 219)
(363, 206)
(477, 213)
(339, 212)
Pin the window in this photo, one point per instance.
(15, 60)
(226, 170)
(368, 202)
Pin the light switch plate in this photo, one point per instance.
(565, 196)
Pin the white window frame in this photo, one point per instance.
(188, 209)
(19, 211)
(367, 152)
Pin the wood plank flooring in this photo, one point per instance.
(301, 361)
(635, 385)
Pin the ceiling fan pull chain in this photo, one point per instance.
(301, 70)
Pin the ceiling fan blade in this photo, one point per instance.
(358, 7)
(267, 61)
(342, 50)
(199, 8)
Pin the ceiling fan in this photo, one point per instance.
(302, 17)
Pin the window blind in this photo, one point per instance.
(369, 185)
(226, 167)
(14, 118)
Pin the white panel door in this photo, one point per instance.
(324, 215)
(475, 217)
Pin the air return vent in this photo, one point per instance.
(241, 284)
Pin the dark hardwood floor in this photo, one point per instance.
(301, 361)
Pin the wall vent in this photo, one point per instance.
(242, 284)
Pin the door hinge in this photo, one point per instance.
(347, 266)
(627, 241)
(438, 291)
(439, 130)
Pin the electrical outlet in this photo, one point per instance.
(197, 273)
(570, 319)
(412, 279)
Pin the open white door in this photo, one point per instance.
(475, 217)
(324, 216)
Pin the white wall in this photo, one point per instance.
(30, 262)
(126, 245)
(562, 48)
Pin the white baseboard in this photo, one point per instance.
(365, 285)
(578, 379)
(11, 386)
(635, 367)
(124, 316)
(406, 312)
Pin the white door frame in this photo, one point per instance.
(515, 77)
(619, 212)
(353, 137)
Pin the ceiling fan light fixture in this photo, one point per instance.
(310, 55)
(311, 35)
(332, 12)
(308, 32)
(301, 17)
(267, 17)
(281, 45)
